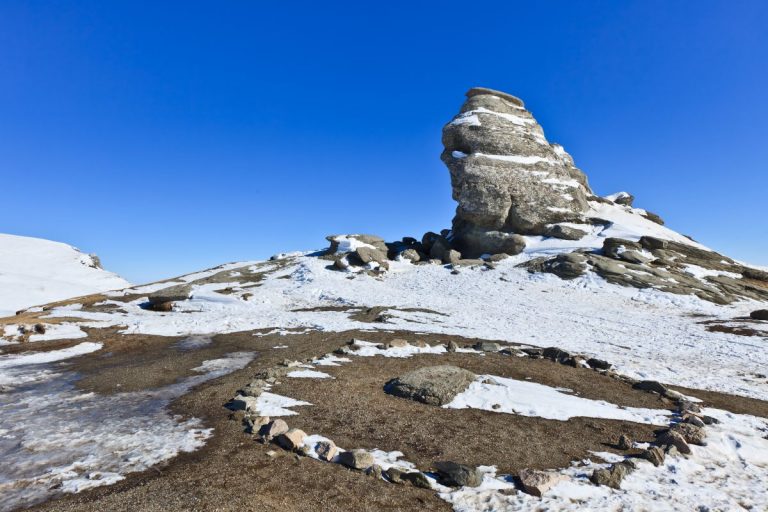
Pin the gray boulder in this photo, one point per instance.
(760, 314)
(433, 385)
(564, 232)
(536, 482)
(505, 176)
(611, 476)
(356, 459)
(453, 474)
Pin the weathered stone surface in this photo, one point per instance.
(564, 232)
(611, 476)
(411, 255)
(292, 439)
(538, 482)
(691, 433)
(356, 459)
(652, 386)
(162, 300)
(433, 385)
(416, 479)
(505, 176)
(375, 241)
(394, 475)
(326, 450)
(451, 346)
(274, 428)
(242, 403)
(760, 314)
(599, 364)
(655, 455)
(453, 474)
(375, 471)
(487, 346)
(368, 254)
(625, 443)
(672, 438)
(473, 243)
(556, 354)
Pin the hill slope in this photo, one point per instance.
(34, 271)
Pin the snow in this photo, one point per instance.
(511, 396)
(348, 243)
(519, 159)
(644, 333)
(308, 374)
(55, 438)
(467, 119)
(271, 404)
(727, 474)
(34, 271)
(702, 273)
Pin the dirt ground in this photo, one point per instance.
(234, 472)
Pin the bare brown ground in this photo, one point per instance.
(354, 410)
(233, 472)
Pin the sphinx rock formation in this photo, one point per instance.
(506, 177)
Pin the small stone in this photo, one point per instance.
(417, 479)
(487, 346)
(556, 354)
(242, 403)
(598, 364)
(326, 450)
(254, 423)
(533, 352)
(688, 406)
(39, 328)
(292, 439)
(611, 476)
(398, 343)
(375, 471)
(394, 475)
(760, 314)
(692, 434)
(274, 428)
(674, 395)
(537, 483)
(693, 420)
(651, 385)
(356, 459)
(451, 346)
(709, 420)
(655, 455)
(625, 443)
(453, 474)
(675, 439)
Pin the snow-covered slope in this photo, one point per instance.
(34, 271)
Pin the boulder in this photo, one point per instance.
(538, 482)
(349, 243)
(326, 450)
(397, 343)
(473, 243)
(411, 255)
(672, 438)
(369, 254)
(625, 443)
(505, 176)
(651, 386)
(242, 403)
(291, 440)
(433, 385)
(654, 455)
(486, 346)
(273, 429)
(162, 300)
(611, 476)
(356, 459)
(598, 364)
(556, 354)
(451, 346)
(760, 314)
(416, 479)
(394, 475)
(453, 474)
(375, 471)
(692, 434)
(564, 232)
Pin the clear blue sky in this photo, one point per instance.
(173, 136)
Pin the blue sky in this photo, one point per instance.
(172, 136)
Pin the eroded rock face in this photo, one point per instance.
(505, 176)
(433, 385)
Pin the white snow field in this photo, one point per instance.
(34, 271)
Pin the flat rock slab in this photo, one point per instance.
(433, 385)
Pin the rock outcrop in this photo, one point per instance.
(506, 177)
